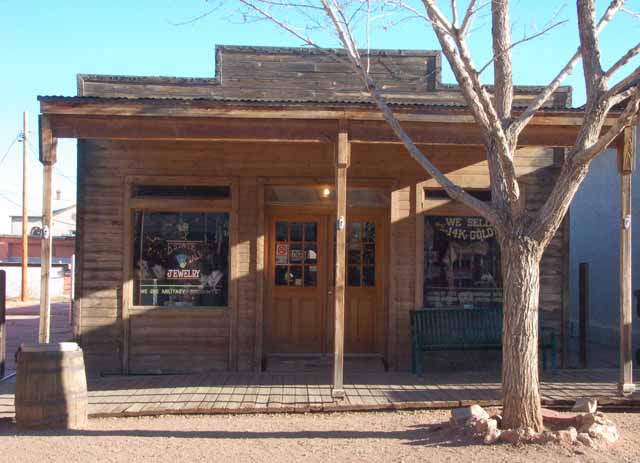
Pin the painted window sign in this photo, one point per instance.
(461, 263)
(181, 259)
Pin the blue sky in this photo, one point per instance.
(44, 44)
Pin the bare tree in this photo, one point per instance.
(523, 235)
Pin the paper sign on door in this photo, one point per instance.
(282, 251)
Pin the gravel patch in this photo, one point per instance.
(328, 438)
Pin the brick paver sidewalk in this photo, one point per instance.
(22, 326)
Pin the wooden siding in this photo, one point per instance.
(269, 73)
(204, 339)
(99, 261)
(403, 281)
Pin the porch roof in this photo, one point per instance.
(286, 120)
(414, 102)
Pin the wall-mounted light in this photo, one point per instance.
(326, 192)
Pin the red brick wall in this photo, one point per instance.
(11, 246)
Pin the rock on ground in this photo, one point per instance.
(459, 416)
(585, 405)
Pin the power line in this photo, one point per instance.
(70, 179)
(10, 200)
(9, 149)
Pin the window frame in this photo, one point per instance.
(146, 204)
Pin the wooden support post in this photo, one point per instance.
(342, 163)
(25, 215)
(3, 320)
(48, 144)
(583, 308)
(626, 165)
(260, 275)
(72, 289)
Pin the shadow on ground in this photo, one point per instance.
(437, 434)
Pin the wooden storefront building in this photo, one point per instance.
(213, 214)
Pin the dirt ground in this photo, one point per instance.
(328, 438)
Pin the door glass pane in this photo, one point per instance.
(353, 275)
(369, 232)
(354, 256)
(295, 232)
(310, 275)
(355, 229)
(310, 253)
(369, 254)
(281, 275)
(368, 275)
(295, 253)
(311, 231)
(295, 275)
(282, 231)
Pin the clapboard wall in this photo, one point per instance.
(289, 74)
(164, 340)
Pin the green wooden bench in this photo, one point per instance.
(465, 329)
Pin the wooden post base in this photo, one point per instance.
(337, 393)
(625, 389)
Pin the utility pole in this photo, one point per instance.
(25, 216)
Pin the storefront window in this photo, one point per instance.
(461, 263)
(181, 259)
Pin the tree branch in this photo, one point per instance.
(612, 9)
(454, 191)
(282, 24)
(624, 59)
(524, 39)
(503, 76)
(625, 119)
(525, 117)
(466, 21)
(453, 47)
(590, 50)
(454, 13)
(499, 148)
(624, 84)
(573, 172)
(633, 14)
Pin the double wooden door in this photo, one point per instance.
(299, 302)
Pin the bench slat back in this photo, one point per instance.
(457, 326)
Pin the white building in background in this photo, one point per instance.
(63, 220)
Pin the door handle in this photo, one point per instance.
(330, 292)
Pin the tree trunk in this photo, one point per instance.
(520, 382)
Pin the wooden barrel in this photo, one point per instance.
(51, 386)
